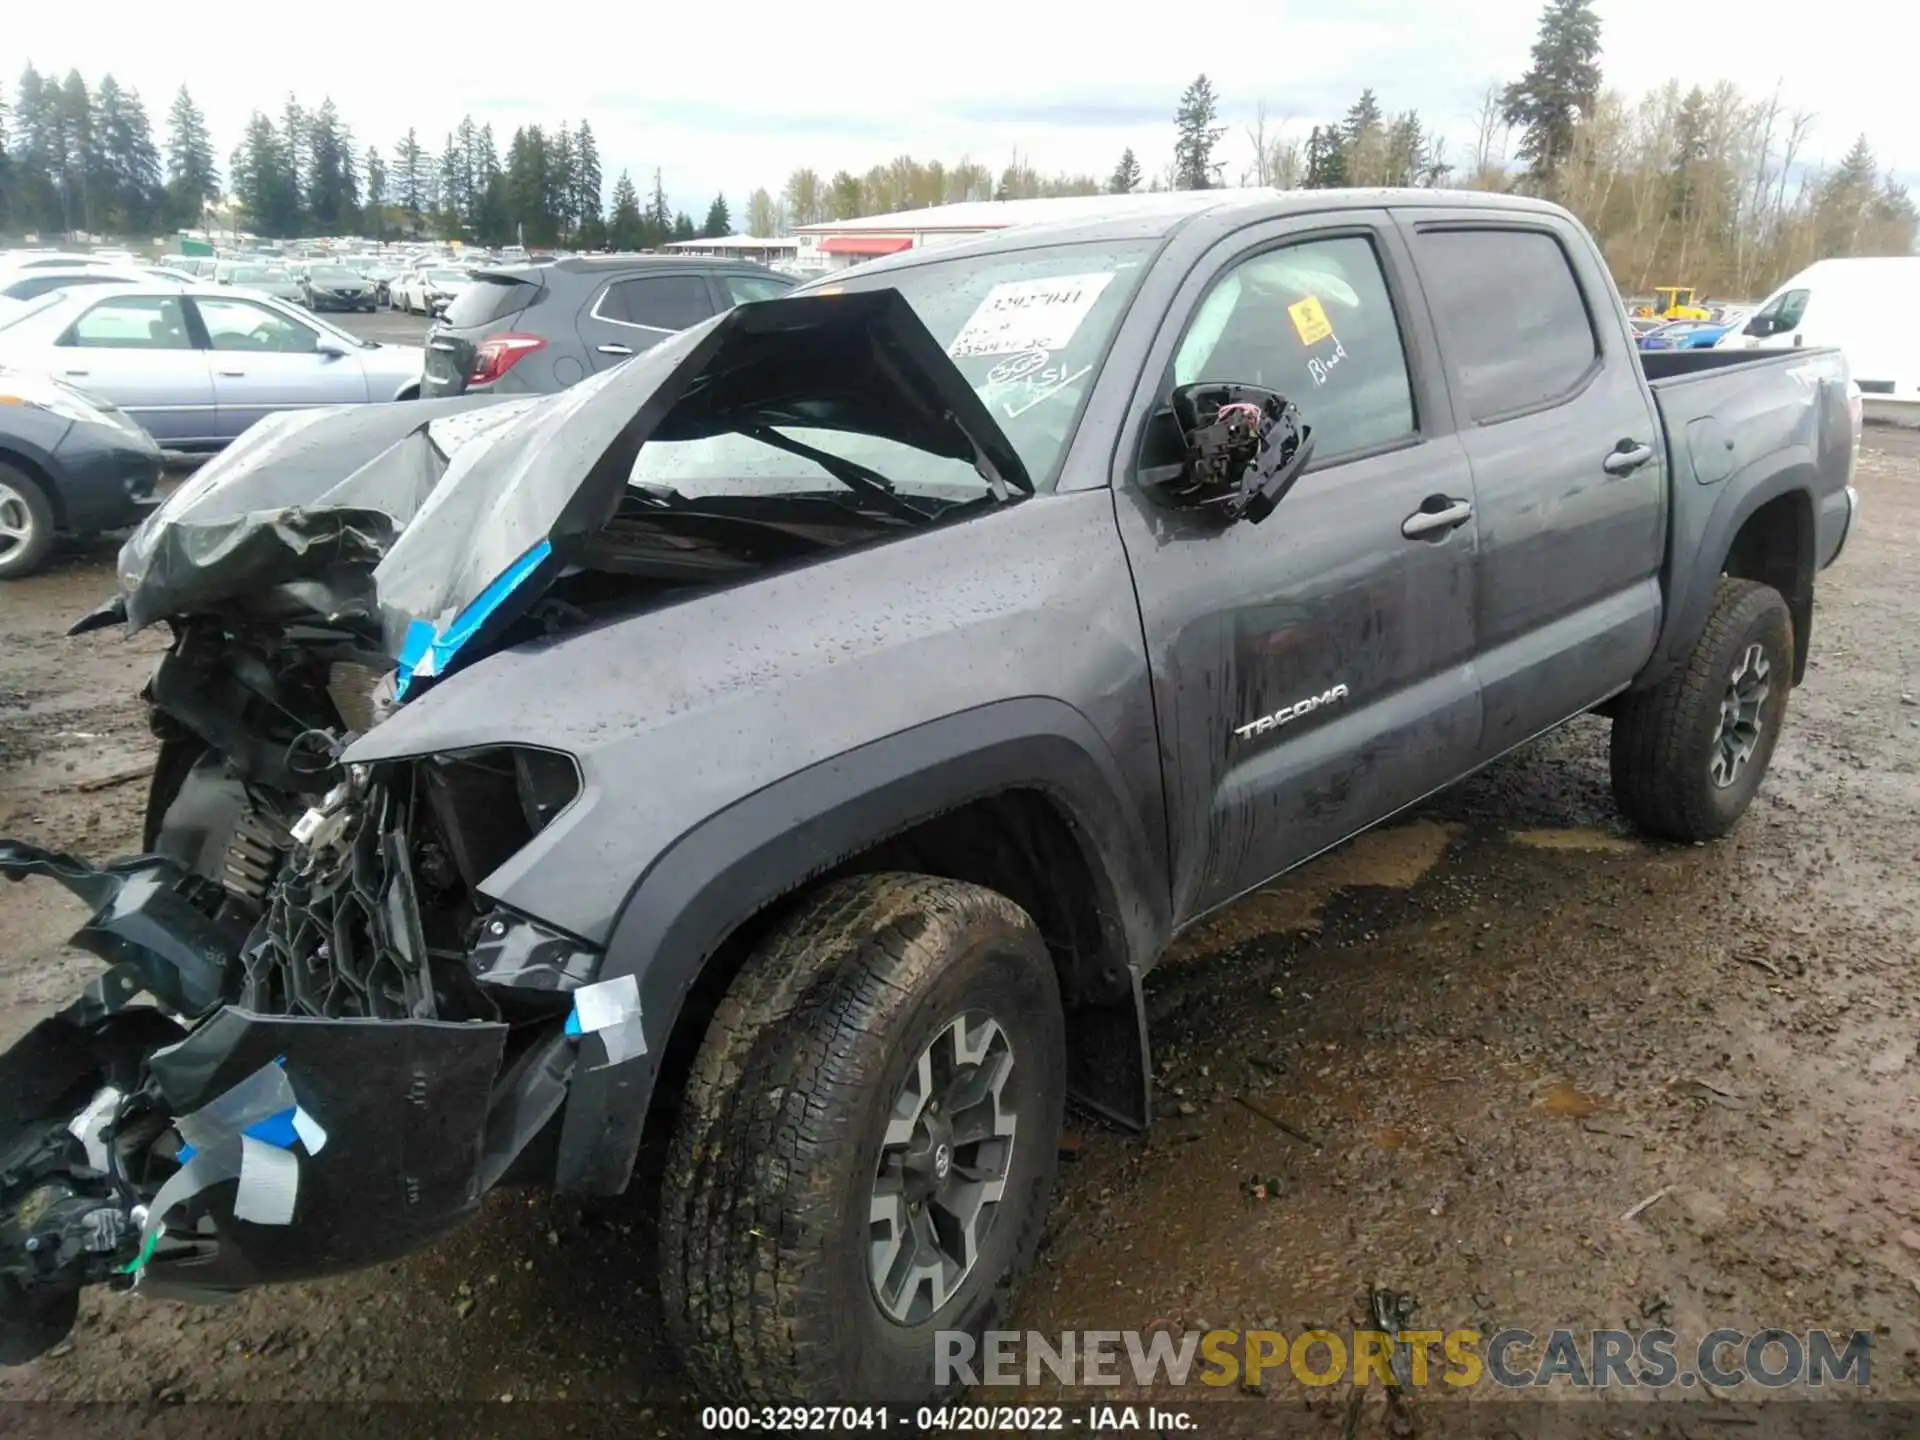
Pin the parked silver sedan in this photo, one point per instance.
(197, 364)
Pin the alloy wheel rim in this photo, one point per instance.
(1737, 736)
(16, 521)
(942, 1169)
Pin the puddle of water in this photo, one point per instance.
(1583, 838)
(1562, 1097)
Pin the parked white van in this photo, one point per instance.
(1869, 308)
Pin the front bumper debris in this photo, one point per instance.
(235, 1103)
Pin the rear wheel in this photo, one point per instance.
(867, 1143)
(26, 523)
(1688, 755)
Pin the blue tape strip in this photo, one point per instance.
(275, 1130)
(423, 648)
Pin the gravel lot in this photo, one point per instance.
(1505, 1021)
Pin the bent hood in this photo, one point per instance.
(510, 515)
(291, 518)
(440, 527)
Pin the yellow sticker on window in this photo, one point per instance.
(1310, 320)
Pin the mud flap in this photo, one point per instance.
(404, 1105)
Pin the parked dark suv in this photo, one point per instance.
(535, 328)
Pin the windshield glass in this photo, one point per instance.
(1026, 328)
(337, 273)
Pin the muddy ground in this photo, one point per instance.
(1447, 1058)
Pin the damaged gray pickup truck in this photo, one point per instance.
(762, 774)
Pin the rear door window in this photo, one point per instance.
(657, 302)
(134, 322)
(1514, 326)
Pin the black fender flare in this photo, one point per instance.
(1703, 537)
(731, 865)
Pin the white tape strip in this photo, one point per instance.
(269, 1183)
(611, 1010)
(310, 1132)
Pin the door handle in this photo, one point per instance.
(231, 374)
(73, 372)
(614, 349)
(1626, 457)
(1423, 523)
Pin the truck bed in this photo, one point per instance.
(1778, 417)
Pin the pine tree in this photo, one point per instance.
(374, 179)
(1194, 167)
(82, 169)
(262, 179)
(1126, 175)
(129, 158)
(1363, 142)
(719, 222)
(411, 181)
(192, 180)
(1558, 89)
(659, 216)
(6, 165)
(294, 155)
(332, 198)
(683, 227)
(589, 216)
(558, 202)
(1409, 153)
(38, 145)
(452, 187)
(1326, 159)
(626, 226)
(527, 187)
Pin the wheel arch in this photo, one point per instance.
(39, 468)
(976, 796)
(1757, 527)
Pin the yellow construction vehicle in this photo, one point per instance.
(1674, 302)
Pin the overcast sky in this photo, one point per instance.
(727, 97)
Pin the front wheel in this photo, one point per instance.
(26, 523)
(867, 1143)
(1689, 754)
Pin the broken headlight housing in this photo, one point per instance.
(379, 900)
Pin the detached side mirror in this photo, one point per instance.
(1245, 447)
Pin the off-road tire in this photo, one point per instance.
(21, 560)
(764, 1233)
(1663, 738)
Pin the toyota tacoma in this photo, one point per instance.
(762, 774)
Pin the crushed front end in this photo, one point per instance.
(251, 1093)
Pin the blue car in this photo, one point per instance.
(1684, 335)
